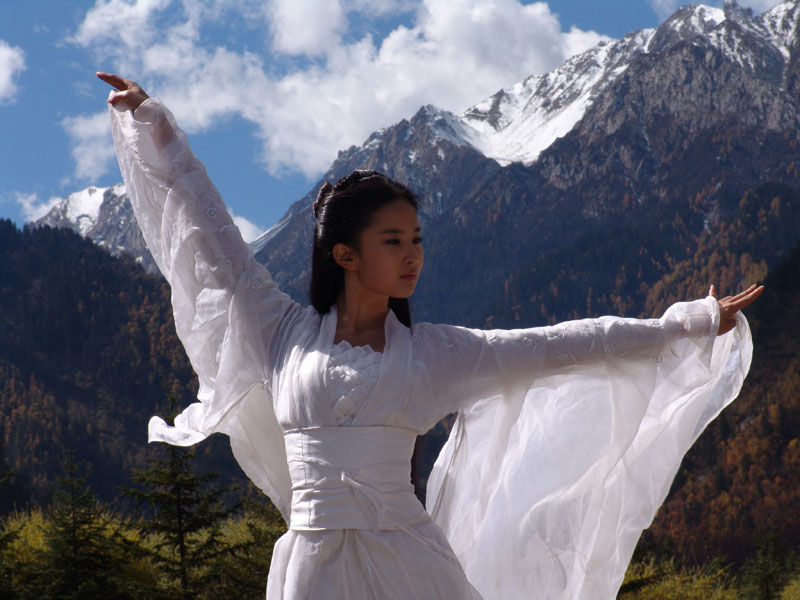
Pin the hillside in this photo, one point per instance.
(88, 354)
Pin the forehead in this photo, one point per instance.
(397, 215)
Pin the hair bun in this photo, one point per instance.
(326, 189)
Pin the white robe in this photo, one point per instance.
(565, 444)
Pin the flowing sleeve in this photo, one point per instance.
(567, 439)
(229, 315)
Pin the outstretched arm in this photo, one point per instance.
(479, 363)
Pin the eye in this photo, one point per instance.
(392, 241)
(418, 240)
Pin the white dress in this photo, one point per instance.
(565, 443)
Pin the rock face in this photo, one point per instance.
(105, 216)
(578, 191)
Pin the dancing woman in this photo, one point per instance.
(566, 437)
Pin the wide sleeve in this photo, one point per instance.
(229, 315)
(567, 439)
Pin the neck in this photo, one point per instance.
(360, 319)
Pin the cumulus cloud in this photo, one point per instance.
(249, 230)
(452, 55)
(31, 207)
(12, 63)
(92, 149)
(310, 27)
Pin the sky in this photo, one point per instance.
(268, 91)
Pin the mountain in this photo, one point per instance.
(633, 149)
(578, 192)
(88, 352)
(105, 216)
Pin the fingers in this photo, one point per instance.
(739, 301)
(114, 80)
(117, 97)
(733, 304)
(753, 290)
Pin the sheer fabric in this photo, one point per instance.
(566, 439)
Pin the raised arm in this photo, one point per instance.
(228, 312)
(230, 316)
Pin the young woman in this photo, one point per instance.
(566, 440)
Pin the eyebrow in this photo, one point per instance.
(392, 230)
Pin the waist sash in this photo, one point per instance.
(352, 478)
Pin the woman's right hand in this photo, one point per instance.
(129, 92)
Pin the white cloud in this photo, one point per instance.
(128, 25)
(31, 207)
(12, 63)
(249, 230)
(453, 55)
(311, 27)
(664, 8)
(380, 7)
(92, 148)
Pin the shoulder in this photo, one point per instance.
(437, 337)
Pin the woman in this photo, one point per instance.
(566, 439)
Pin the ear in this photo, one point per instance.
(345, 256)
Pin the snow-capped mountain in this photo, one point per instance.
(665, 128)
(103, 215)
(705, 107)
(517, 123)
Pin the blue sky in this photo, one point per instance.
(268, 91)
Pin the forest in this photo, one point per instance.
(90, 510)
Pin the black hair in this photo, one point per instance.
(342, 211)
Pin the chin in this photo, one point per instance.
(404, 294)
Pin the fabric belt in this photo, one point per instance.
(352, 478)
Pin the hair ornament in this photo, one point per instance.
(355, 178)
(323, 193)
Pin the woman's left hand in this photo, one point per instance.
(730, 305)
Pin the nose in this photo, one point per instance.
(414, 254)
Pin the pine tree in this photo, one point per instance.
(185, 522)
(11, 493)
(82, 560)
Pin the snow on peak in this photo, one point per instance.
(780, 24)
(258, 244)
(446, 126)
(83, 208)
(696, 19)
(517, 123)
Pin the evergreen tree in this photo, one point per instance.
(185, 522)
(82, 560)
(11, 493)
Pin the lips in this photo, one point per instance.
(409, 276)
